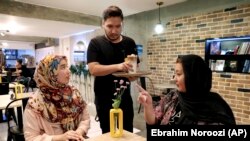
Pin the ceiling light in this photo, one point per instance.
(5, 44)
(3, 32)
(159, 27)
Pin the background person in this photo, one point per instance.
(192, 102)
(56, 112)
(105, 56)
(22, 72)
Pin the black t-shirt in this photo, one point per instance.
(101, 50)
(25, 71)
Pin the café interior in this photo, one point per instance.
(162, 30)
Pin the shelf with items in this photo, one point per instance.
(228, 54)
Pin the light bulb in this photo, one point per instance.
(159, 28)
(2, 34)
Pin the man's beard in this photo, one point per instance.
(112, 39)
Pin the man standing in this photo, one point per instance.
(105, 56)
(2, 60)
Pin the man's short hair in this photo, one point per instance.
(20, 61)
(112, 11)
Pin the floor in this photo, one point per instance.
(139, 125)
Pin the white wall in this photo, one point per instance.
(18, 45)
(41, 53)
(64, 48)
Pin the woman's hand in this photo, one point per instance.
(68, 136)
(146, 100)
(144, 97)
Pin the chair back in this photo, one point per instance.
(4, 88)
(18, 90)
(27, 85)
(9, 76)
(16, 132)
(143, 85)
(143, 82)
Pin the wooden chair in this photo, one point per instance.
(4, 88)
(16, 132)
(143, 85)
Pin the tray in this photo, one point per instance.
(137, 74)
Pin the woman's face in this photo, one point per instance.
(179, 77)
(63, 75)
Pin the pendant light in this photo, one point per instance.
(159, 26)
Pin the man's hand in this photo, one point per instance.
(125, 67)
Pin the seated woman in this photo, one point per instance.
(57, 111)
(192, 102)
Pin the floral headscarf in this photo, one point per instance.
(54, 101)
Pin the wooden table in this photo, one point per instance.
(127, 136)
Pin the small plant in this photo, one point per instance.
(79, 69)
(120, 89)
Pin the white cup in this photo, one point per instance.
(134, 66)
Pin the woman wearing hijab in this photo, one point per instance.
(192, 102)
(56, 111)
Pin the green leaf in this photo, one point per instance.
(116, 103)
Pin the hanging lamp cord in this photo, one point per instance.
(159, 14)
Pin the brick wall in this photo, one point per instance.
(185, 35)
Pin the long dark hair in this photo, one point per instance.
(198, 76)
(198, 103)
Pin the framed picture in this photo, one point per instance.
(215, 48)
(219, 66)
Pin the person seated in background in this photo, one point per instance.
(57, 111)
(22, 72)
(192, 102)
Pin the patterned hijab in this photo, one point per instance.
(54, 101)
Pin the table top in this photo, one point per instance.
(5, 74)
(12, 85)
(127, 136)
(5, 100)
